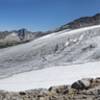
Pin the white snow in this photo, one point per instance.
(58, 75)
(57, 51)
(56, 47)
(67, 43)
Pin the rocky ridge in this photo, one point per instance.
(81, 22)
(23, 35)
(85, 89)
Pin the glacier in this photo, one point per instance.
(57, 49)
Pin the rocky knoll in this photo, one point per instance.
(85, 89)
(81, 22)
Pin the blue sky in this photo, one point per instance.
(41, 15)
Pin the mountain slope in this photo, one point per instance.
(23, 35)
(62, 48)
(81, 22)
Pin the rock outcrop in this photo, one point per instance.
(82, 84)
(85, 89)
(81, 22)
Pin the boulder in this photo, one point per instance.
(59, 89)
(82, 84)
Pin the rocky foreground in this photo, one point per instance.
(85, 89)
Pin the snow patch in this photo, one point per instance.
(57, 75)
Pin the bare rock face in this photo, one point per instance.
(82, 22)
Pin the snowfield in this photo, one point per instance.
(50, 60)
(50, 77)
(56, 49)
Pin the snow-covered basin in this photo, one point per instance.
(50, 77)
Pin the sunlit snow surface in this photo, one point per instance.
(50, 60)
(56, 49)
(50, 77)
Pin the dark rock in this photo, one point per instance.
(82, 22)
(22, 93)
(82, 84)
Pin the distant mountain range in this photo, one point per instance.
(9, 38)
